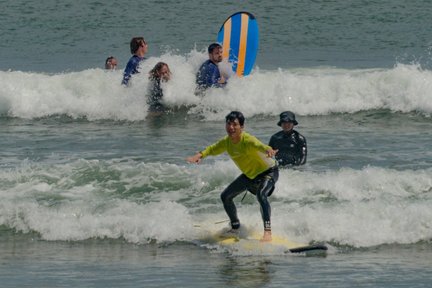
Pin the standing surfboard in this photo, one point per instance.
(239, 38)
(252, 243)
(247, 241)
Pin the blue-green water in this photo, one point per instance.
(96, 194)
(53, 36)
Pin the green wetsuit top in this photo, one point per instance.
(249, 154)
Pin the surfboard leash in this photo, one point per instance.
(244, 196)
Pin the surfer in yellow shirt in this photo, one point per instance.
(254, 159)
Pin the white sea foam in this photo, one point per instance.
(97, 94)
(118, 199)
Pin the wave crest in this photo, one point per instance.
(97, 94)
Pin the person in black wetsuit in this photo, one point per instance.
(290, 143)
(160, 72)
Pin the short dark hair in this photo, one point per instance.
(135, 43)
(213, 46)
(108, 60)
(233, 115)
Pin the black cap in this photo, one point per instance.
(287, 116)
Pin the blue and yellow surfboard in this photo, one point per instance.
(239, 38)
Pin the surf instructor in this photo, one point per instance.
(208, 74)
(254, 159)
(290, 143)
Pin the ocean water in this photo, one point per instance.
(94, 193)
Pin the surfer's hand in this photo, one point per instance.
(271, 153)
(222, 80)
(194, 159)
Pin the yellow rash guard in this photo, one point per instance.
(249, 154)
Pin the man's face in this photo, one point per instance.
(144, 46)
(287, 126)
(216, 55)
(233, 128)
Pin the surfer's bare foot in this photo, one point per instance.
(267, 237)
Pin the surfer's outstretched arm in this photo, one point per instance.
(195, 158)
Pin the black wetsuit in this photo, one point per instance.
(261, 186)
(292, 148)
(155, 95)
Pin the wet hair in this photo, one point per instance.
(109, 59)
(135, 43)
(107, 62)
(213, 46)
(233, 115)
(153, 74)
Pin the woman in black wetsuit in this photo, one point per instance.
(160, 72)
